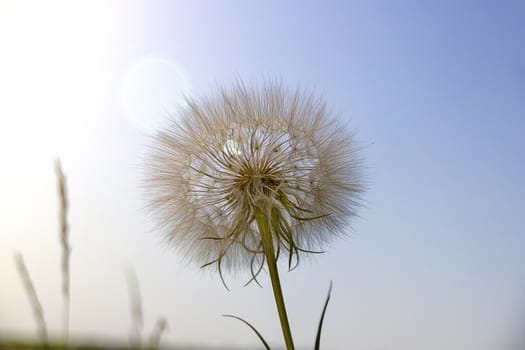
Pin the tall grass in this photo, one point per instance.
(66, 249)
(38, 311)
(135, 306)
(136, 311)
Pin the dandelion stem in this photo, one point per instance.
(264, 227)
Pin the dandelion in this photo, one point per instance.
(248, 175)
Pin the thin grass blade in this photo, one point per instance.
(318, 337)
(266, 346)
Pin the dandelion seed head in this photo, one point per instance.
(245, 148)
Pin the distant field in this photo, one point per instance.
(13, 344)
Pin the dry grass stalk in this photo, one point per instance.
(38, 312)
(137, 315)
(156, 334)
(66, 249)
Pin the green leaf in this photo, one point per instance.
(318, 337)
(253, 328)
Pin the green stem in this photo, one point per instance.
(264, 227)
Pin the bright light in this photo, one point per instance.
(152, 89)
(232, 148)
(49, 70)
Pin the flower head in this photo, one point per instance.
(245, 152)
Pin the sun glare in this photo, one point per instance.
(49, 67)
(152, 88)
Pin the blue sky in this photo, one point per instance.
(434, 89)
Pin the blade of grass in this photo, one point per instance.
(135, 306)
(267, 347)
(318, 337)
(38, 312)
(66, 249)
(156, 334)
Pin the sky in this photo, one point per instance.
(435, 91)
